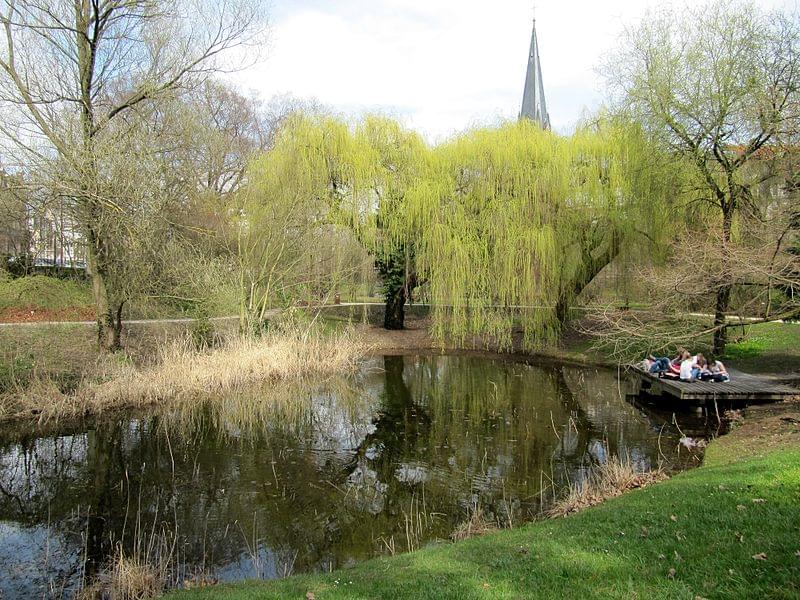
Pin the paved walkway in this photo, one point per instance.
(277, 310)
(270, 313)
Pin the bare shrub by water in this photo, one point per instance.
(606, 481)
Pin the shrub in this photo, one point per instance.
(202, 331)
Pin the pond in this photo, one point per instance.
(311, 478)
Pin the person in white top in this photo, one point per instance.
(717, 371)
(687, 364)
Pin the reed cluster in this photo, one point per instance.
(182, 373)
(476, 525)
(242, 362)
(605, 481)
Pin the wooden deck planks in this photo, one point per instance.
(742, 387)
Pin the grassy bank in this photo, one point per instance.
(766, 348)
(67, 353)
(41, 298)
(729, 529)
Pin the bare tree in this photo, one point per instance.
(719, 85)
(73, 70)
(764, 274)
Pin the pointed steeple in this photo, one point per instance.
(534, 106)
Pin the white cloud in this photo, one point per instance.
(441, 65)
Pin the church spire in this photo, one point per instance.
(534, 106)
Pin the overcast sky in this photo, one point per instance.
(442, 65)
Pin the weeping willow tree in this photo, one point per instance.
(322, 173)
(518, 220)
(504, 226)
(287, 247)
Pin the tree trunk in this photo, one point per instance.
(723, 299)
(395, 314)
(562, 310)
(720, 318)
(109, 318)
(399, 280)
(591, 266)
(109, 315)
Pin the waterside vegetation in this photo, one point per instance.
(184, 371)
(668, 217)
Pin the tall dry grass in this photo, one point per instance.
(182, 372)
(143, 573)
(476, 525)
(605, 481)
(134, 579)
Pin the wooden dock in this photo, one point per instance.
(742, 388)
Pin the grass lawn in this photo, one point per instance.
(765, 348)
(44, 293)
(729, 529)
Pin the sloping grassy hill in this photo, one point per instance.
(766, 348)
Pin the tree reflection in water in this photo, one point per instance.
(308, 478)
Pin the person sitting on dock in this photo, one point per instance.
(700, 367)
(657, 365)
(674, 370)
(663, 365)
(716, 372)
(688, 364)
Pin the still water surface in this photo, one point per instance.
(315, 477)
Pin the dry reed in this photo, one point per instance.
(476, 525)
(606, 481)
(243, 362)
(126, 578)
(183, 373)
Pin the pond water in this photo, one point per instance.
(309, 478)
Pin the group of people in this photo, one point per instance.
(687, 367)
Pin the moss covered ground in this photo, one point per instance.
(729, 529)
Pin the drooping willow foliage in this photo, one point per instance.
(529, 219)
(506, 225)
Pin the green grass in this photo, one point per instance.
(43, 292)
(16, 371)
(706, 524)
(51, 293)
(766, 347)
